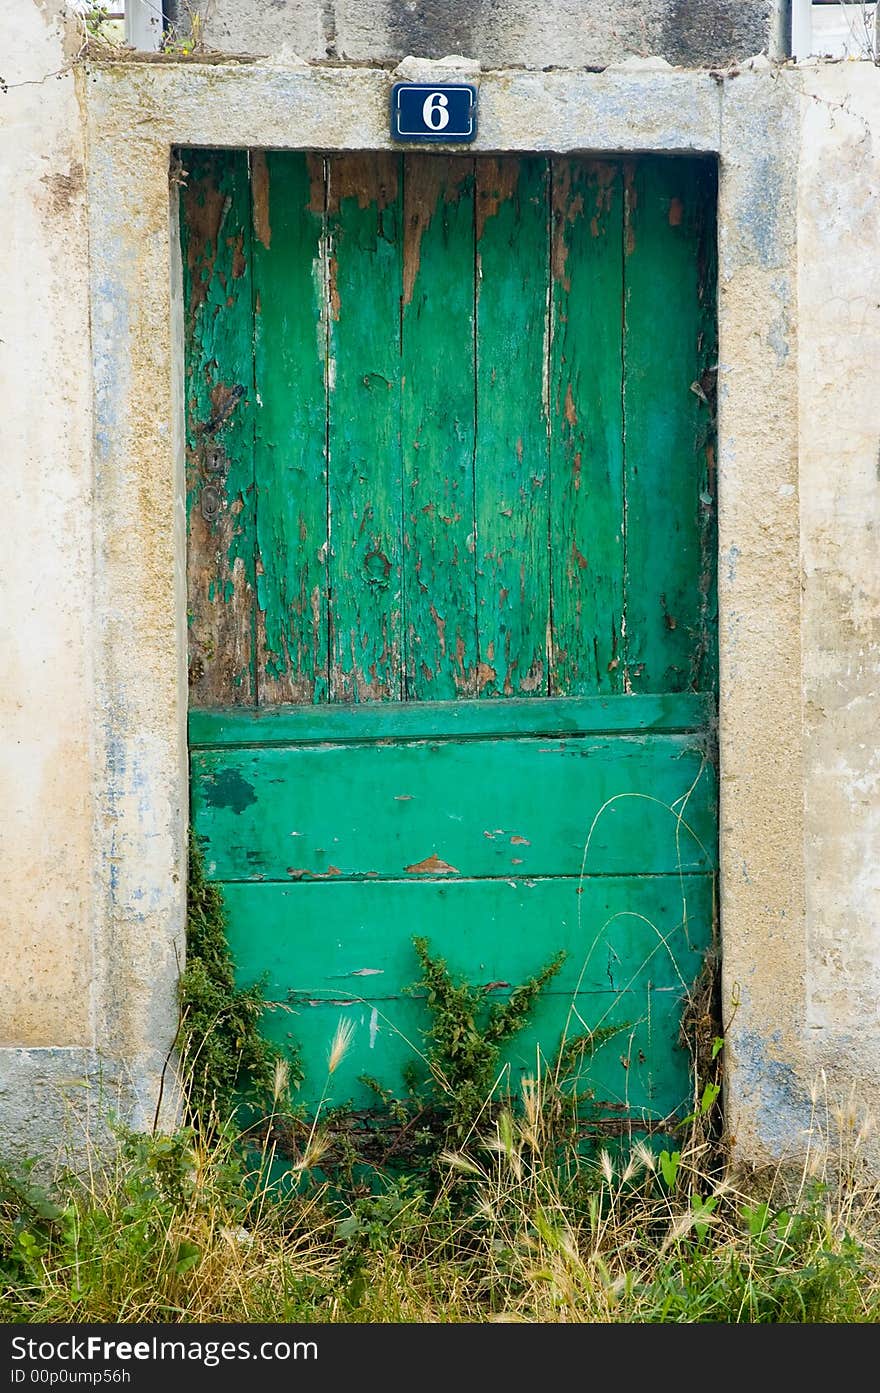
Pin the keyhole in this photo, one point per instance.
(377, 569)
(210, 502)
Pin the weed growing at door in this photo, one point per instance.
(462, 1087)
(465, 1053)
(225, 1058)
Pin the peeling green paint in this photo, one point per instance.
(227, 789)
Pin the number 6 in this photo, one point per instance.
(434, 111)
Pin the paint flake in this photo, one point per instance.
(432, 865)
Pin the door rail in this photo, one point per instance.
(535, 717)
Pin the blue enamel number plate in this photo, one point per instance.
(445, 113)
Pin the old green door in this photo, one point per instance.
(451, 485)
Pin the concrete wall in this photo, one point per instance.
(500, 33)
(92, 757)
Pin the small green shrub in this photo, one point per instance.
(466, 1036)
(226, 1060)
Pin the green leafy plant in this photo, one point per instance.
(185, 38)
(669, 1163)
(225, 1057)
(95, 19)
(790, 1267)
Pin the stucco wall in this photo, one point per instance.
(45, 578)
(760, 728)
(839, 332)
(92, 758)
(45, 446)
(500, 33)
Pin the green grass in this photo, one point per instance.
(491, 1208)
(180, 1228)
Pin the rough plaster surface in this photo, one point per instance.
(60, 1024)
(57, 1105)
(45, 577)
(761, 813)
(333, 108)
(839, 315)
(499, 33)
(94, 760)
(138, 868)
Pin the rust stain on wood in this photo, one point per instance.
(630, 203)
(483, 674)
(224, 400)
(364, 684)
(303, 873)
(333, 287)
(317, 183)
(676, 212)
(561, 195)
(221, 599)
(498, 181)
(533, 680)
(566, 211)
(427, 177)
(710, 468)
(440, 626)
(260, 196)
(220, 554)
(369, 178)
(604, 174)
(204, 206)
(239, 260)
(294, 682)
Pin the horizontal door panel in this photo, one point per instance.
(641, 1073)
(641, 804)
(334, 939)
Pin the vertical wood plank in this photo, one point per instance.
(669, 424)
(290, 350)
(586, 428)
(511, 462)
(437, 426)
(704, 661)
(219, 378)
(364, 225)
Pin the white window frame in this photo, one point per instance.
(144, 28)
(803, 43)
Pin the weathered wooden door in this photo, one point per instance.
(451, 590)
